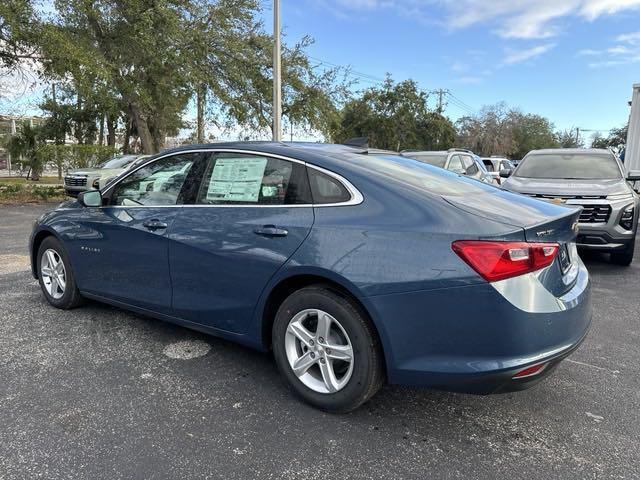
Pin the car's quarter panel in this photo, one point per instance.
(116, 256)
(455, 338)
(220, 266)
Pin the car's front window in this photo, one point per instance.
(570, 166)
(158, 183)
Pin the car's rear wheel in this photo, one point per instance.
(327, 350)
(625, 257)
(55, 275)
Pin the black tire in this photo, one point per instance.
(71, 297)
(368, 366)
(625, 257)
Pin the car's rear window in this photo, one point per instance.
(425, 177)
(430, 158)
(570, 166)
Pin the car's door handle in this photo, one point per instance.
(154, 224)
(271, 231)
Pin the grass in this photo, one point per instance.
(24, 181)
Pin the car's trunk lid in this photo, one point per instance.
(541, 221)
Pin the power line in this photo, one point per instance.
(451, 98)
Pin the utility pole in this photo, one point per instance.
(441, 93)
(277, 75)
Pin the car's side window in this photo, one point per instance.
(326, 189)
(246, 179)
(489, 165)
(470, 166)
(158, 183)
(455, 164)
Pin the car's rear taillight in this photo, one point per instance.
(500, 260)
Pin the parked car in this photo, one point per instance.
(592, 178)
(494, 164)
(463, 162)
(76, 181)
(104, 179)
(355, 268)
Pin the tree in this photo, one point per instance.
(500, 130)
(394, 116)
(617, 138)
(147, 59)
(23, 147)
(531, 132)
(17, 33)
(569, 139)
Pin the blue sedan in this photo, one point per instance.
(354, 267)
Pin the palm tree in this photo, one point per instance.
(23, 147)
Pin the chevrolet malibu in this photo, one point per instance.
(353, 267)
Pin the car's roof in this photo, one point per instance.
(570, 151)
(282, 148)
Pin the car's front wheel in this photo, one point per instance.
(327, 349)
(55, 275)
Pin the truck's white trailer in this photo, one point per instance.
(632, 153)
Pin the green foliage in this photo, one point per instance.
(18, 33)
(21, 193)
(396, 117)
(23, 147)
(143, 61)
(569, 139)
(75, 156)
(617, 139)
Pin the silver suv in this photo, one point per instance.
(592, 178)
(458, 160)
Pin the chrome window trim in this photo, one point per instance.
(356, 197)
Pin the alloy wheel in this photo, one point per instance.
(319, 351)
(54, 275)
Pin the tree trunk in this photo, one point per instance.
(111, 130)
(127, 136)
(201, 98)
(101, 130)
(142, 126)
(79, 125)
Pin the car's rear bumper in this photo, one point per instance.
(474, 339)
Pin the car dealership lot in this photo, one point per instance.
(101, 393)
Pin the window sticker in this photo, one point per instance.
(237, 179)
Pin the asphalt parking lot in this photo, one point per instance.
(98, 392)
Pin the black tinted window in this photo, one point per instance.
(579, 166)
(158, 183)
(326, 189)
(244, 179)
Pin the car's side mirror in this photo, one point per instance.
(90, 198)
(505, 172)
